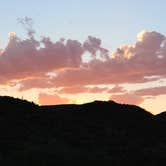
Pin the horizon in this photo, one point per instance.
(80, 104)
(78, 52)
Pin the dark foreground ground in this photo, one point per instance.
(102, 133)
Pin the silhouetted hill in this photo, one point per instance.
(8, 103)
(100, 132)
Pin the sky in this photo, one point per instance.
(55, 52)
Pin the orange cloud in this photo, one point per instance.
(73, 90)
(81, 89)
(46, 99)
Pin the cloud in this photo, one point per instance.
(154, 91)
(73, 90)
(21, 58)
(96, 89)
(28, 61)
(93, 45)
(46, 99)
(127, 98)
(81, 89)
(129, 64)
(138, 96)
(117, 89)
(27, 24)
(37, 82)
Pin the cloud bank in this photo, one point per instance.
(44, 63)
(26, 60)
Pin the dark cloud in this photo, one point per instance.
(27, 24)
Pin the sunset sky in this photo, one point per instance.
(74, 51)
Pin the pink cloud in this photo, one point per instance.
(37, 82)
(137, 97)
(155, 91)
(46, 99)
(117, 89)
(131, 64)
(73, 90)
(25, 62)
(81, 89)
(22, 58)
(128, 98)
(96, 89)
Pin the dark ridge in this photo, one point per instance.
(8, 103)
(161, 115)
(105, 133)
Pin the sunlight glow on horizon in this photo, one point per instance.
(13, 87)
(80, 51)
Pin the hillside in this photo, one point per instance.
(94, 133)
